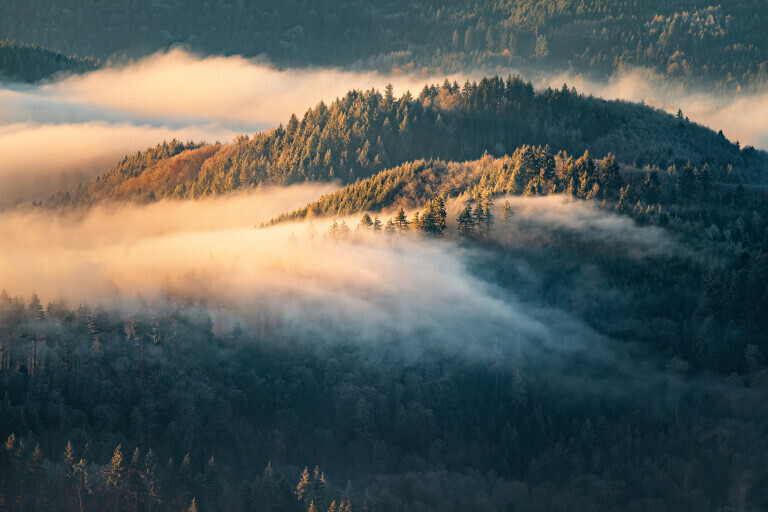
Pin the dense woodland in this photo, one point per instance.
(162, 410)
(720, 45)
(162, 406)
(367, 131)
(29, 63)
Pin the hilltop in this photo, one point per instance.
(368, 131)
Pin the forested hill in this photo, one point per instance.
(29, 63)
(364, 132)
(721, 45)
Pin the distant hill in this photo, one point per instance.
(21, 62)
(720, 45)
(365, 132)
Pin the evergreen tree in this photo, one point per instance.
(624, 200)
(686, 180)
(506, 213)
(465, 223)
(705, 180)
(401, 220)
(149, 479)
(547, 175)
(133, 478)
(344, 230)
(365, 222)
(113, 474)
(609, 177)
(304, 487)
(376, 224)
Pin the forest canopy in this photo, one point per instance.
(718, 46)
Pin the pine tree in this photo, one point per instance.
(686, 180)
(365, 222)
(478, 215)
(343, 230)
(506, 212)
(401, 220)
(133, 478)
(439, 215)
(465, 224)
(624, 200)
(533, 188)
(650, 187)
(333, 230)
(304, 487)
(547, 173)
(705, 180)
(36, 312)
(149, 478)
(376, 224)
(113, 474)
(416, 222)
(389, 228)
(609, 177)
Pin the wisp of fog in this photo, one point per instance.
(411, 293)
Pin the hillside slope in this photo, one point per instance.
(365, 132)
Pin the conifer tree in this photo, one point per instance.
(686, 180)
(401, 220)
(624, 200)
(113, 474)
(465, 224)
(376, 224)
(304, 487)
(705, 180)
(149, 479)
(343, 230)
(506, 212)
(609, 177)
(366, 222)
(547, 175)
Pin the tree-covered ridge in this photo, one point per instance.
(367, 131)
(721, 45)
(29, 63)
(534, 171)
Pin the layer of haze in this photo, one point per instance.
(409, 291)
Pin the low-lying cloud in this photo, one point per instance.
(410, 292)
